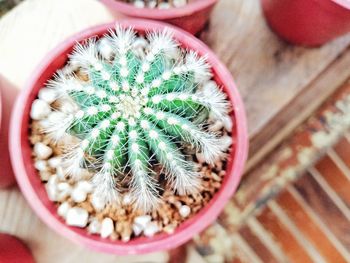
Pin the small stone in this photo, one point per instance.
(42, 151)
(77, 216)
(94, 226)
(63, 209)
(152, 4)
(164, 6)
(78, 195)
(106, 227)
(179, 3)
(105, 48)
(142, 221)
(97, 202)
(200, 157)
(151, 229)
(67, 106)
(60, 172)
(40, 109)
(137, 229)
(45, 175)
(226, 141)
(41, 165)
(64, 190)
(54, 162)
(169, 229)
(228, 124)
(85, 186)
(140, 42)
(127, 199)
(185, 211)
(51, 188)
(48, 95)
(139, 4)
(217, 126)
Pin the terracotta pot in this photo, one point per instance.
(7, 98)
(308, 22)
(14, 250)
(34, 190)
(191, 17)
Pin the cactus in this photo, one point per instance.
(134, 110)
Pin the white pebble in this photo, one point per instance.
(78, 195)
(54, 162)
(127, 199)
(67, 106)
(107, 227)
(105, 48)
(97, 202)
(60, 173)
(94, 226)
(185, 211)
(64, 190)
(137, 229)
(51, 190)
(77, 216)
(40, 109)
(226, 141)
(142, 221)
(164, 6)
(42, 151)
(152, 4)
(48, 95)
(63, 209)
(140, 42)
(151, 229)
(200, 157)
(139, 4)
(85, 186)
(228, 124)
(41, 165)
(217, 126)
(179, 3)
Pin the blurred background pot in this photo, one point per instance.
(34, 190)
(7, 97)
(191, 17)
(308, 22)
(13, 250)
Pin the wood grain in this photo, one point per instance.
(316, 197)
(309, 227)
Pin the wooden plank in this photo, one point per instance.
(305, 103)
(334, 177)
(269, 72)
(291, 247)
(259, 247)
(342, 149)
(309, 227)
(316, 197)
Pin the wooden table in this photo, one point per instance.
(278, 83)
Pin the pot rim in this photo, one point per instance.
(343, 3)
(46, 209)
(160, 14)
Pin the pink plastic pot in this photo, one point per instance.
(7, 98)
(308, 22)
(191, 17)
(33, 189)
(14, 250)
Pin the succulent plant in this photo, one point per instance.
(135, 109)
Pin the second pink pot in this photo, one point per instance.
(308, 22)
(34, 190)
(191, 17)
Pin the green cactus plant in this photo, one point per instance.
(136, 109)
